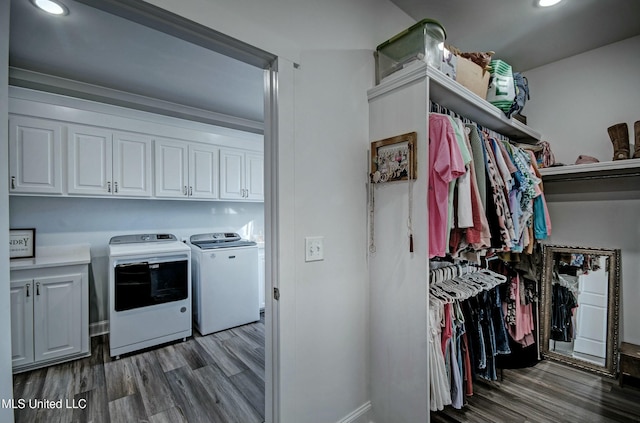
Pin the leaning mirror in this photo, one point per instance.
(579, 308)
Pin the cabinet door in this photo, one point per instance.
(171, 161)
(21, 293)
(231, 174)
(131, 165)
(35, 161)
(90, 161)
(57, 314)
(254, 176)
(203, 171)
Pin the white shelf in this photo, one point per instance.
(448, 93)
(601, 170)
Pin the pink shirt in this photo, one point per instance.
(445, 165)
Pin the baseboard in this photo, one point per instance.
(98, 328)
(359, 415)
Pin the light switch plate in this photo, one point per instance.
(314, 248)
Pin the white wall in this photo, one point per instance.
(6, 380)
(573, 102)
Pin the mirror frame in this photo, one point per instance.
(613, 311)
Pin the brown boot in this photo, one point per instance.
(636, 128)
(619, 134)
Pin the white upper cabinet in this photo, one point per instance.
(186, 170)
(132, 164)
(90, 155)
(171, 160)
(35, 158)
(241, 175)
(103, 162)
(203, 171)
(254, 176)
(64, 150)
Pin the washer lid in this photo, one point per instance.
(134, 239)
(215, 237)
(219, 240)
(210, 245)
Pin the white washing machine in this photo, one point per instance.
(149, 291)
(225, 281)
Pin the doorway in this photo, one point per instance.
(172, 25)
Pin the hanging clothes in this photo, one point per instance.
(445, 165)
(563, 304)
(440, 390)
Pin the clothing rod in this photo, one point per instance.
(582, 178)
(437, 108)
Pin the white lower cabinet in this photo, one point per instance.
(49, 315)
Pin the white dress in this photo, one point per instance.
(440, 387)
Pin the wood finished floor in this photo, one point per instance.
(550, 392)
(214, 378)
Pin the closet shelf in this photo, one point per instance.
(448, 93)
(601, 170)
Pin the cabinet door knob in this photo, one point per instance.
(28, 287)
(184, 191)
(37, 288)
(115, 187)
(13, 182)
(190, 191)
(108, 186)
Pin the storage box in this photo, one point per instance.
(422, 41)
(472, 76)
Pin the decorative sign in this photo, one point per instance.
(22, 243)
(394, 159)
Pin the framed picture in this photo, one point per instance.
(394, 159)
(22, 243)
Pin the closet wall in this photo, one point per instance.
(573, 102)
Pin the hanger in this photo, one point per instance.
(437, 292)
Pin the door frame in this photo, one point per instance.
(6, 376)
(277, 74)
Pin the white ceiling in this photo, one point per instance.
(527, 36)
(98, 48)
(95, 47)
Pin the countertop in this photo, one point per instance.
(52, 256)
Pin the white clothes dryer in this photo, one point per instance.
(149, 291)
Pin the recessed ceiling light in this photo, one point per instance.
(547, 3)
(51, 6)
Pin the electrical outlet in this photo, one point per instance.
(314, 248)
